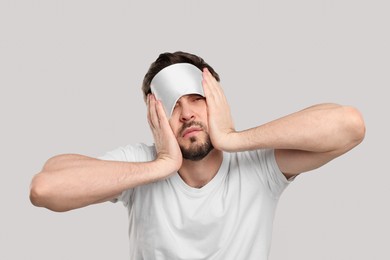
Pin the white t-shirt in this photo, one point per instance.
(230, 218)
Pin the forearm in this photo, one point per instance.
(321, 128)
(72, 181)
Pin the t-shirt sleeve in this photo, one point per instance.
(270, 174)
(130, 153)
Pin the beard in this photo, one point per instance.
(196, 151)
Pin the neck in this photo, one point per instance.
(198, 173)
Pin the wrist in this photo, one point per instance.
(165, 166)
(230, 142)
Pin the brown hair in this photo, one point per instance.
(166, 59)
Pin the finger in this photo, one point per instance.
(206, 76)
(212, 83)
(150, 114)
(212, 88)
(161, 113)
(148, 108)
(164, 125)
(209, 77)
(153, 113)
(206, 88)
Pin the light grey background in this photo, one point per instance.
(70, 77)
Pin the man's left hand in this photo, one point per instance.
(221, 127)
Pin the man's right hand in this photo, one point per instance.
(168, 150)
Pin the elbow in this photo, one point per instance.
(356, 126)
(40, 194)
(42, 189)
(39, 191)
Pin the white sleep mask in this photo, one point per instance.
(175, 81)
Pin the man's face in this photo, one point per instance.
(189, 124)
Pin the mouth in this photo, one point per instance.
(190, 131)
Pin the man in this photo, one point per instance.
(203, 190)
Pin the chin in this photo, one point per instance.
(196, 150)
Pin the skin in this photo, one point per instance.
(303, 141)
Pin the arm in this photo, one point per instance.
(303, 141)
(307, 139)
(72, 181)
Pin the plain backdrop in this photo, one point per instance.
(70, 78)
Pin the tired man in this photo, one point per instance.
(203, 190)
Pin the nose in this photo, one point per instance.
(186, 113)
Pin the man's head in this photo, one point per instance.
(188, 116)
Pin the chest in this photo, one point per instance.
(165, 219)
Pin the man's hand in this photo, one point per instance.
(168, 150)
(221, 125)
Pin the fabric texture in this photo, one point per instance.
(231, 217)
